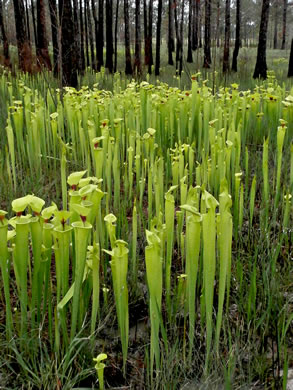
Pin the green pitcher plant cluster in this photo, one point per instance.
(167, 186)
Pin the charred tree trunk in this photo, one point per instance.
(128, 66)
(276, 26)
(137, 56)
(86, 36)
(196, 4)
(82, 35)
(226, 65)
(109, 35)
(54, 29)
(171, 43)
(28, 32)
(34, 23)
(96, 27)
(290, 69)
(100, 38)
(68, 44)
(116, 36)
(90, 29)
(189, 45)
(158, 41)
(42, 42)
(4, 38)
(76, 29)
(181, 40)
(145, 32)
(207, 35)
(285, 6)
(237, 38)
(218, 23)
(150, 37)
(261, 61)
(177, 35)
(23, 44)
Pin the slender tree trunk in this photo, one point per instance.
(177, 36)
(189, 45)
(285, 5)
(150, 36)
(171, 43)
(226, 64)
(76, 33)
(145, 32)
(137, 57)
(290, 69)
(100, 38)
(181, 40)
(23, 44)
(199, 25)
(82, 36)
(196, 5)
(34, 23)
(207, 35)
(276, 26)
(158, 40)
(91, 37)
(109, 35)
(68, 44)
(128, 66)
(54, 29)
(4, 38)
(116, 36)
(261, 61)
(86, 36)
(237, 38)
(96, 26)
(42, 42)
(218, 23)
(27, 21)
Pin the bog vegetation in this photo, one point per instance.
(152, 225)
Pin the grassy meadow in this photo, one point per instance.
(146, 230)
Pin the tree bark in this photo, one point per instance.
(181, 40)
(195, 24)
(137, 56)
(158, 41)
(116, 36)
(290, 69)
(276, 27)
(76, 29)
(23, 44)
(226, 65)
(100, 38)
(285, 6)
(86, 36)
(34, 23)
(82, 36)
(261, 61)
(109, 35)
(207, 35)
(128, 66)
(189, 45)
(237, 38)
(68, 44)
(54, 29)
(96, 27)
(27, 21)
(90, 29)
(150, 37)
(42, 42)
(218, 23)
(171, 43)
(145, 32)
(4, 38)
